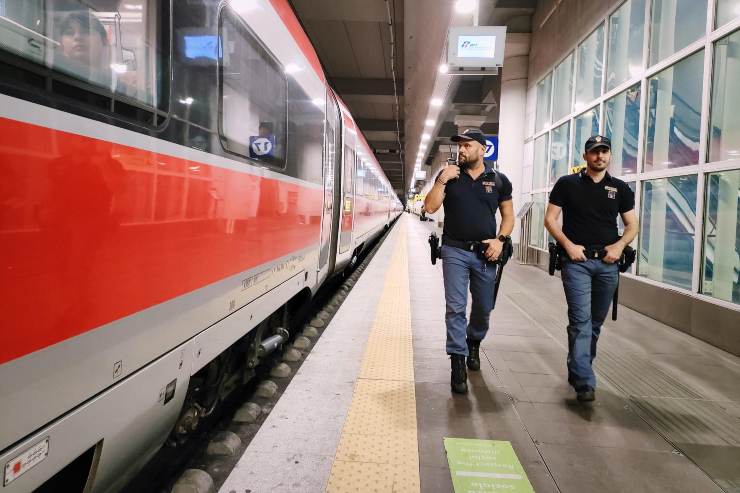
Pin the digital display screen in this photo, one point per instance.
(201, 46)
(476, 46)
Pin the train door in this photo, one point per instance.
(348, 196)
(332, 188)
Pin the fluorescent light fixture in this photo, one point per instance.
(425, 137)
(466, 6)
(430, 123)
(292, 68)
(188, 100)
(131, 6)
(444, 68)
(436, 102)
(119, 68)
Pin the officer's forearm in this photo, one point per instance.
(630, 232)
(434, 198)
(554, 229)
(507, 226)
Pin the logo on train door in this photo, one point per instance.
(491, 148)
(261, 146)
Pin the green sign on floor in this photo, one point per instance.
(485, 466)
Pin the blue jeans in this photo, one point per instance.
(589, 288)
(461, 268)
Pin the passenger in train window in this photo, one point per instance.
(83, 48)
(471, 192)
(589, 247)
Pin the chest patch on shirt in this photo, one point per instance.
(488, 185)
(611, 192)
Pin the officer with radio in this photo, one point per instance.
(471, 192)
(589, 249)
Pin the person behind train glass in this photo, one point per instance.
(83, 48)
(470, 243)
(590, 247)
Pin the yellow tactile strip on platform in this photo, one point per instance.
(378, 449)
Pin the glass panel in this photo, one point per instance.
(539, 173)
(622, 125)
(544, 90)
(724, 141)
(667, 230)
(254, 88)
(559, 163)
(721, 263)
(92, 41)
(590, 68)
(620, 223)
(586, 125)
(676, 24)
(626, 32)
(674, 114)
(563, 88)
(727, 10)
(537, 221)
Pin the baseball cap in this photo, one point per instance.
(597, 141)
(470, 134)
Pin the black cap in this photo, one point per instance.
(470, 134)
(597, 141)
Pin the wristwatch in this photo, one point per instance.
(503, 239)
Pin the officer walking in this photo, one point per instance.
(590, 247)
(471, 193)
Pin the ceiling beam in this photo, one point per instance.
(358, 86)
(380, 125)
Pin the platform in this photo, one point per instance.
(369, 408)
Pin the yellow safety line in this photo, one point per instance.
(378, 449)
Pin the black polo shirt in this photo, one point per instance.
(590, 209)
(470, 205)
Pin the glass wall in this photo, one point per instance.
(622, 126)
(675, 132)
(562, 88)
(724, 138)
(537, 221)
(721, 268)
(727, 10)
(626, 32)
(544, 91)
(667, 230)
(559, 152)
(590, 69)
(586, 125)
(676, 24)
(674, 115)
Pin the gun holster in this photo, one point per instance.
(435, 250)
(628, 257)
(556, 257)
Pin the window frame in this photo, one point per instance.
(223, 13)
(31, 76)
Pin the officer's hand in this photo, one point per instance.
(494, 248)
(613, 253)
(575, 253)
(451, 172)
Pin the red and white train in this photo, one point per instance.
(177, 180)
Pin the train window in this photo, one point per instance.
(253, 95)
(114, 47)
(349, 160)
(305, 134)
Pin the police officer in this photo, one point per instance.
(471, 193)
(590, 247)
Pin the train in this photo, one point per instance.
(178, 181)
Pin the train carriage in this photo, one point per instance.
(177, 180)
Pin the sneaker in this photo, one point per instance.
(586, 394)
(459, 377)
(473, 361)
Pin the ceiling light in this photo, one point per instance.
(119, 68)
(425, 137)
(444, 68)
(187, 100)
(465, 6)
(430, 123)
(318, 102)
(436, 102)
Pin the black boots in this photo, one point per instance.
(473, 355)
(459, 378)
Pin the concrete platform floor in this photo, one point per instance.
(666, 418)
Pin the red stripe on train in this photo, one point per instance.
(285, 11)
(92, 231)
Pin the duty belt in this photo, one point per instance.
(471, 246)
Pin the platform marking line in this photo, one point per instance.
(378, 449)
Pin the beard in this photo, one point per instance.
(598, 165)
(463, 161)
